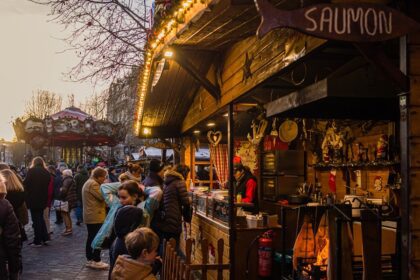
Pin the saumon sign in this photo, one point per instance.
(344, 22)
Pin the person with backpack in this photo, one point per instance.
(68, 200)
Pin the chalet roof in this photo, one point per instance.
(208, 29)
(216, 35)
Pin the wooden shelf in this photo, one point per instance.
(202, 163)
(371, 164)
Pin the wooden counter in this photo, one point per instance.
(212, 229)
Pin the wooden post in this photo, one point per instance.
(211, 172)
(181, 270)
(205, 254)
(192, 160)
(174, 268)
(220, 245)
(405, 192)
(188, 251)
(232, 231)
(163, 156)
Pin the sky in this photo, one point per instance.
(31, 58)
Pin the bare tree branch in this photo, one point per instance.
(95, 105)
(43, 103)
(107, 36)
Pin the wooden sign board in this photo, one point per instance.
(343, 22)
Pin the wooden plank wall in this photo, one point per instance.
(414, 152)
(268, 57)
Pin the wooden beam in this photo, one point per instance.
(348, 67)
(181, 58)
(268, 61)
(377, 57)
(309, 94)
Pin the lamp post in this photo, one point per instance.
(3, 152)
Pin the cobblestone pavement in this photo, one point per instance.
(64, 257)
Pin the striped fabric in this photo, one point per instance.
(219, 155)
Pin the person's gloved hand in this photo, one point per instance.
(157, 265)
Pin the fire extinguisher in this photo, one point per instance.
(265, 254)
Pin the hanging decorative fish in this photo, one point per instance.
(350, 22)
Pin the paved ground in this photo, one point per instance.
(63, 259)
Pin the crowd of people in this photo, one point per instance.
(130, 213)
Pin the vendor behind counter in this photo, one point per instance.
(246, 187)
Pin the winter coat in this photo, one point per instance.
(247, 187)
(80, 178)
(109, 192)
(50, 192)
(175, 196)
(58, 180)
(127, 219)
(153, 179)
(112, 178)
(68, 191)
(93, 203)
(17, 199)
(10, 242)
(128, 269)
(36, 188)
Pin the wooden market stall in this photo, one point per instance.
(318, 121)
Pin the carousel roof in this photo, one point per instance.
(71, 112)
(69, 127)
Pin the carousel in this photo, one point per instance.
(70, 135)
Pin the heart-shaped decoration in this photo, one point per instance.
(214, 137)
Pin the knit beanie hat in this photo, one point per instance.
(155, 165)
(127, 219)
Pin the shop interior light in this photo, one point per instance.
(227, 114)
(168, 54)
(211, 124)
(196, 131)
(147, 131)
